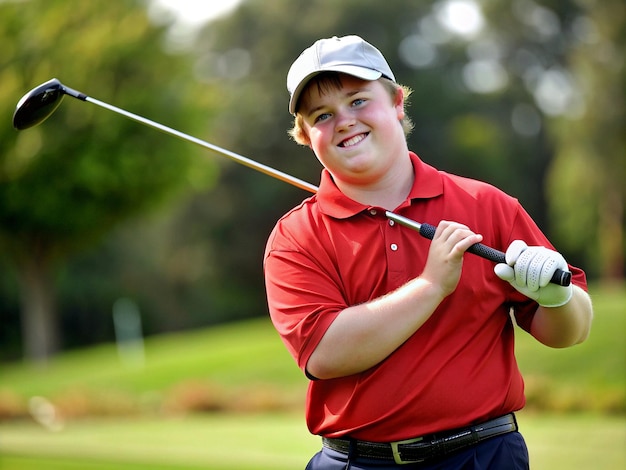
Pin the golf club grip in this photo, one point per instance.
(560, 277)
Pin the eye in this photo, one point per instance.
(321, 117)
(358, 102)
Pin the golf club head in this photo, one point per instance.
(39, 103)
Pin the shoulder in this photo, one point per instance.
(302, 214)
(482, 206)
(296, 227)
(431, 182)
(461, 186)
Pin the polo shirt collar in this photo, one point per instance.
(332, 202)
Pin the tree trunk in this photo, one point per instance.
(40, 331)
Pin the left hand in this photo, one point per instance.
(529, 270)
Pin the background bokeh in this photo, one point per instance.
(525, 95)
(100, 214)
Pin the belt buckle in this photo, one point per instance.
(397, 458)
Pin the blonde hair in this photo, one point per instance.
(333, 80)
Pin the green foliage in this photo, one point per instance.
(70, 180)
(66, 183)
(586, 180)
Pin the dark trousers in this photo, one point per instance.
(506, 452)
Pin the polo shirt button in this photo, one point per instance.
(394, 247)
(373, 211)
(392, 222)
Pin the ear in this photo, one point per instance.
(305, 139)
(398, 103)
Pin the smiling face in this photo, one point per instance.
(354, 127)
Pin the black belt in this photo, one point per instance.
(425, 448)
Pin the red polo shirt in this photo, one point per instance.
(331, 252)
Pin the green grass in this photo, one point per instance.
(238, 366)
(232, 355)
(574, 441)
(589, 376)
(250, 441)
(269, 442)
(244, 366)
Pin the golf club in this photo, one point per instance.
(39, 103)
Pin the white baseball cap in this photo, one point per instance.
(348, 54)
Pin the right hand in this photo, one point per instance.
(445, 255)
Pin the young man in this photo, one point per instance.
(408, 343)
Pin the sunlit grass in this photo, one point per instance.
(246, 441)
(574, 441)
(232, 355)
(589, 376)
(270, 442)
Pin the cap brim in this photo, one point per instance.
(359, 72)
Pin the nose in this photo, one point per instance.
(344, 120)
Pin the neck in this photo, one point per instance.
(388, 192)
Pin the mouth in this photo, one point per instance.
(353, 140)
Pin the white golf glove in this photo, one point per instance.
(529, 270)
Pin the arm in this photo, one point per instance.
(564, 315)
(363, 335)
(561, 327)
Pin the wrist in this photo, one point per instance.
(429, 291)
(564, 296)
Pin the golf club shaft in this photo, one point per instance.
(227, 153)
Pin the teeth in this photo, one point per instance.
(353, 141)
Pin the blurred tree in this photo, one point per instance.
(67, 182)
(586, 179)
